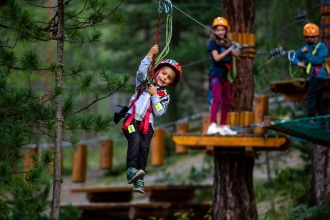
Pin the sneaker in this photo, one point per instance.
(212, 129)
(133, 175)
(225, 130)
(139, 186)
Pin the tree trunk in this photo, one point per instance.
(233, 176)
(319, 190)
(55, 211)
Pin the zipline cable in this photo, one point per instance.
(233, 43)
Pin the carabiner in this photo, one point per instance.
(291, 55)
(168, 6)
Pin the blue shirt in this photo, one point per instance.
(316, 60)
(218, 69)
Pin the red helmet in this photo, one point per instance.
(174, 65)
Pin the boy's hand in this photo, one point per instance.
(301, 64)
(153, 51)
(152, 90)
(304, 49)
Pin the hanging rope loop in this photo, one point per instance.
(167, 6)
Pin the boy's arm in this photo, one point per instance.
(142, 72)
(298, 58)
(159, 104)
(319, 57)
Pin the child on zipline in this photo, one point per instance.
(311, 57)
(221, 56)
(150, 100)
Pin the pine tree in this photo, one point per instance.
(28, 115)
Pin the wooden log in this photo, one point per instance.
(106, 154)
(181, 128)
(79, 163)
(205, 123)
(260, 111)
(233, 119)
(28, 162)
(157, 147)
(51, 165)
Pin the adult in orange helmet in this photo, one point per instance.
(311, 57)
(221, 52)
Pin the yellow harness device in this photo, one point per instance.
(309, 65)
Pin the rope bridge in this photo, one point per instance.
(313, 129)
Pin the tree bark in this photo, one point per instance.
(233, 177)
(55, 210)
(319, 190)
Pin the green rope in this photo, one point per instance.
(168, 35)
(232, 75)
(296, 77)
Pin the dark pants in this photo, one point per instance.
(314, 98)
(138, 146)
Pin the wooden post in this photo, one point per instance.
(233, 119)
(79, 162)
(260, 111)
(27, 160)
(157, 147)
(181, 128)
(106, 154)
(51, 165)
(205, 123)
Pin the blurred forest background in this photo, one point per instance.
(123, 40)
(123, 44)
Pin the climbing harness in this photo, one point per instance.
(309, 65)
(144, 124)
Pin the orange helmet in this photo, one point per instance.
(174, 65)
(311, 30)
(220, 21)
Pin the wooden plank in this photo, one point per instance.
(128, 188)
(256, 142)
(106, 194)
(115, 188)
(139, 210)
(158, 192)
(295, 91)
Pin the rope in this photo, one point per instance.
(167, 5)
(294, 74)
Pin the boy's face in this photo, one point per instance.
(165, 77)
(312, 40)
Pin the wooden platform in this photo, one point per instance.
(157, 192)
(295, 91)
(261, 143)
(140, 210)
(160, 201)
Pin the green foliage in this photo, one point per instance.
(70, 213)
(27, 113)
